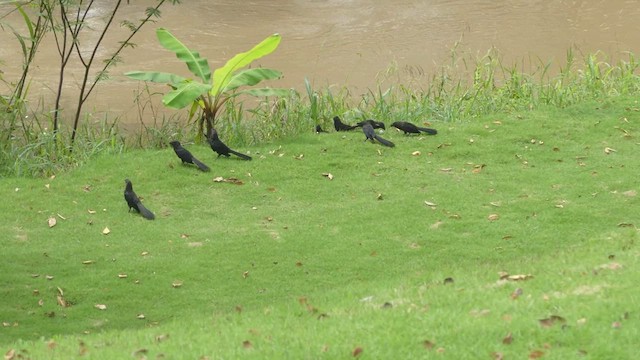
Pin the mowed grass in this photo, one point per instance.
(399, 255)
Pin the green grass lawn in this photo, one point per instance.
(292, 264)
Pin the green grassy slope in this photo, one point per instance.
(291, 264)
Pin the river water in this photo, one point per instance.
(336, 42)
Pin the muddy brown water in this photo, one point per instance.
(335, 42)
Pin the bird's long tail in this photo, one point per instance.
(240, 155)
(429, 131)
(145, 212)
(384, 142)
(200, 165)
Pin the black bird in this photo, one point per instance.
(408, 127)
(374, 124)
(186, 156)
(134, 202)
(371, 135)
(222, 149)
(319, 129)
(340, 126)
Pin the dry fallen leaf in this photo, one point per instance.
(552, 320)
(536, 354)
(88, 262)
(162, 337)
(507, 339)
(356, 352)
(519, 277)
(140, 316)
(247, 344)
(610, 266)
(616, 324)
(10, 355)
(52, 221)
(106, 231)
(416, 153)
(478, 168)
(140, 353)
(235, 181)
(428, 344)
(609, 150)
(328, 175)
(176, 284)
(245, 274)
(516, 293)
(100, 306)
(493, 217)
(430, 204)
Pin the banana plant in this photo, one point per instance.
(210, 91)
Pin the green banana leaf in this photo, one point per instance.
(222, 76)
(156, 76)
(184, 94)
(197, 65)
(251, 77)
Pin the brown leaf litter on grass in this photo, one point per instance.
(231, 180)
(552, 320)
(356, 352)
(519, 277)
(428, 344)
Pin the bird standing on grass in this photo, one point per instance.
(340, 126)
(319, 129)
(374, 124)
(134, 202)
(408, 127)
(218, 146)
(371, 135)
(186, 156)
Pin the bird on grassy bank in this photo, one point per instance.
(340, 126)
(221, 148)
(370, 133)
(186, 156)
(134, 202)
(408, 128)
(319, 129)
(374, 124)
